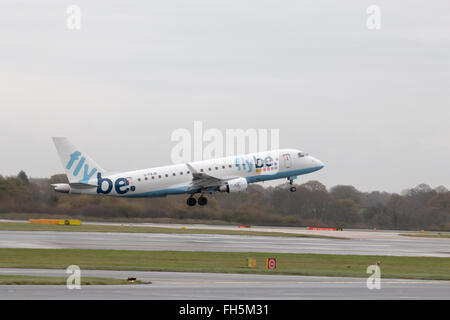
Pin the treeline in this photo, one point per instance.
(312, 205)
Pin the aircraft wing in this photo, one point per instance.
(202, 181)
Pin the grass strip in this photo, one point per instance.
(430, 268)
(427, 235)
(41, 280)
(21, 226)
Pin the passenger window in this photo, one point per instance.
(159, 176)
(167, 175)
(209, 169)
(173, 174)
(217, 168)
(181, 173)
(201, 170)
(153, 177)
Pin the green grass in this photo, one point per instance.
(227, 262)
(426, 235)
(38, 280)
(21, 226)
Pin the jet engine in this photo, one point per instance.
(234, 185)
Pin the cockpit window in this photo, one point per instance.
(302, 154)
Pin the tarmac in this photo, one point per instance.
(405, 246)
(218, 286)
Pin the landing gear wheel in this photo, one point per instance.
(293, 188)
(191, 201)
(202, 201)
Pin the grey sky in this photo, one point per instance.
(372, 104)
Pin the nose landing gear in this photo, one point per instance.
(293, 188)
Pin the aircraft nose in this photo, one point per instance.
(319, 163)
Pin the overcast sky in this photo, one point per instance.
(373, 105)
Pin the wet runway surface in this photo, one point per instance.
(406, 246)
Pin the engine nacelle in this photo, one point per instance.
(234, 185)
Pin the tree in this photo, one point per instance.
(59, 178)
(314, 185)
(440, 201)
(347, 192)
(376, 198)
(23, 176)
(345, 211)
(441, 189)
(421, 194)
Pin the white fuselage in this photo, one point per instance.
(177, 179)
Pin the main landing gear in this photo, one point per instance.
(191, 201)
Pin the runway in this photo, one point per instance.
(217, 286)
(361, 234)
(406, 246)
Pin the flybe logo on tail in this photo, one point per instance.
(86, 174)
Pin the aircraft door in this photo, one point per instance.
(287, 160)
(129, 181)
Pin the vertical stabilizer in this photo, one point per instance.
(78, 166)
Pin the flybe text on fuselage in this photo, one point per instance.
(121, 185)
(259, 164)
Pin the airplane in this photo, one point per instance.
(229, 174)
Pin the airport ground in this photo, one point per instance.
(218, 286)
(345, 257)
